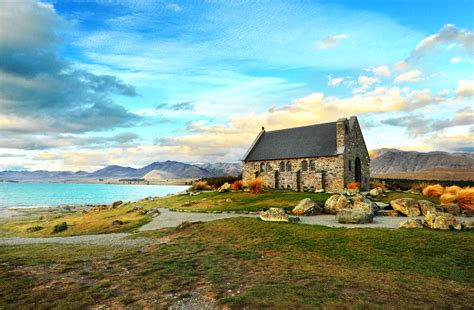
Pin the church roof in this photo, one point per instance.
(308, 141)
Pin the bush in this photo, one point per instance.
(217, 182)
(34, 228)
(378, 184)
(448, 198)
(237, 185)
(60, 227)
(433, 190)
(255, 186)
(353, 185)
(419, 186)
(466, 198)
(200, 186)
(454, 190)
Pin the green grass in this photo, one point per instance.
(244, 262)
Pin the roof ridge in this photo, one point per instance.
(299, 127)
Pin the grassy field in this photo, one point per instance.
(100, 221)
(244, 262)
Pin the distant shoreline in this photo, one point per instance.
(111, 181)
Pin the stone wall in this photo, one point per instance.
(328, 169)
(355, 147)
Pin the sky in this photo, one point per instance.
(84, 84)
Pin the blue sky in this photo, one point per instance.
(87, 84)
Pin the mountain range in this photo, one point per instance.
(155, 171)
(385, 163)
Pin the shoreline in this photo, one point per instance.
(182, 182)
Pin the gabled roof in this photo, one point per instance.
(308, 141)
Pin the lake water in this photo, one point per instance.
(53, 194)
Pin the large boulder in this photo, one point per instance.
(307, 207)
(363, 206)
(452, 208)
(381, 205)
(443, 221)
(411, 223)
(428, 207)
(407, 206)
(376, 192)
(351, 216)
(224, 188)
(274, 215)
(336, 203)
(357, 198)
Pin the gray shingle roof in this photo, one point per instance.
(308, 141)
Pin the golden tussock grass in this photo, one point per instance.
(255, 186)
(466, 198)
(448, 198)
(454, 189)
(433, 190)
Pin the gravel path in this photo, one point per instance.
(169, 218)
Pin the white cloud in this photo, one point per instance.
(465, 89)
(410, 76)
(381, 70)
(174, 7)
(365, 82)
(448, 34)
(455, 60)
(336, 81)
(331, 41)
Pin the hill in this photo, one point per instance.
(397, 164)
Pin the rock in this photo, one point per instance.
(224, 188)
(117, 223)
(228, 200)
(381, 205)
(307, 207)
(294, 219)
(335, 203)
(357, 198)
(362, 206)
(117, 203)
(183, 225)
(413, 192)
(452, 208)
(411, 223)
(274, 215)
(186, 204)
(407, 206)
(350, 216)
(427, 206)
(319, 191)
(388, 213)
(468, 224)
(194, 193)
(467, 213)
(376, 192)
(443, 221)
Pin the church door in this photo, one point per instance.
(357, 170)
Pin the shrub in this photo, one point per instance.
(433, 190)
(60, 227)
(454, 189)
(237, 185)
(217, 182)
(448, 198)
(377, 184)
(34, 228)
(353, 185)
(200, 186)
(255, 186)
(419, 186)
(466, 198)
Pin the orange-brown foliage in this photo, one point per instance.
(420, 186)
(433, 190)
(466, 198)
(448, 198)
(378, 184)
(353, 185)
(237, 185)
(200, 186)
(255, 186)
(452, 189)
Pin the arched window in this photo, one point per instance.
(312, 165)
(269, 167)
(304, 165)
(350, 165)
(288, 166)
(282, 167)
(262, 167)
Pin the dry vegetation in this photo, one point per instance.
(255, 186)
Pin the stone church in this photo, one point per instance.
(317, 157)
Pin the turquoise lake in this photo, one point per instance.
(53, 194)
